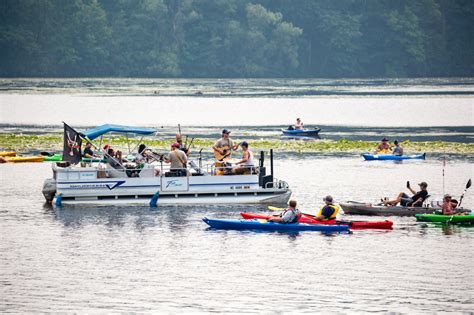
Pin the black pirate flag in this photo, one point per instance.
(72, 145)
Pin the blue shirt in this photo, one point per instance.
(327, 211)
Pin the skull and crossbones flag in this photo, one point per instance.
(72, 145)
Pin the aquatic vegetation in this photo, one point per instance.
(54, 142)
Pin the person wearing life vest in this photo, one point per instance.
(290, 215)
(328, 211)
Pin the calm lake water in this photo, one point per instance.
(137, 259)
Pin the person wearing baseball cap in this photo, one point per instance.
(329, 211)
(406, 201)
(178, 160)
(224, 146)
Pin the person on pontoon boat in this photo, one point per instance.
(244, 166)
(143, 154)
(182, 146)
(329, 211)
(224, 146)
(384, 147)
(397, 150)
(405, 201)
(88, 153)
(178, 160)
(290, 215)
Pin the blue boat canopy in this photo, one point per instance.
(103, 129)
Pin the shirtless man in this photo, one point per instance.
(299, 124)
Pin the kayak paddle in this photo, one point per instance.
(465, 189)
(271, 208)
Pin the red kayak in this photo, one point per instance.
(306, 218)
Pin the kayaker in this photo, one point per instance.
(384, 147)
(224, 146)
(299, 124)
(246, 164)
(447, 205)
(328, 211)
(290, 215)
(397, 150)
(405, 201)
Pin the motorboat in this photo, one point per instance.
(154, 183)
(301, 132)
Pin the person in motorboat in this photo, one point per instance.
(329, 211)
(299, 124)
(224, 146)
(178, 160)
(406, 201)
(182, 146)
(289, 215)
(384, 147)
(245, 165)
(397, 150)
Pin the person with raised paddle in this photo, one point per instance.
(224, 146)
(289, 215)
(329, 211)
(178, 160)
(405, 201)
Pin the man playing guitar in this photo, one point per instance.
(224, 146)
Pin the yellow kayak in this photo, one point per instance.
(24, 159)
(7, 153)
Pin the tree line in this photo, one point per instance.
(237, 38)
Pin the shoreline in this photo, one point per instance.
(50, 142)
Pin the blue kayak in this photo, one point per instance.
(385, 157)
(271, 226)
(301, 132)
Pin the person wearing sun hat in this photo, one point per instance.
(406, 201)
(384, 147)
(329, 211)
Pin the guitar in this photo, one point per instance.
(226, 152)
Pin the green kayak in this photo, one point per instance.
(59, 157)
(53, 158)
(440, 218)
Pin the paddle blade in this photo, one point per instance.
(271, 208)
(468, 183)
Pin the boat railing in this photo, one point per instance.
(222, 168)
(276, 183)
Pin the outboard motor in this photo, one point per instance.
(263, 179)
(49, 189)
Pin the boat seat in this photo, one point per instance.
(115, 173)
